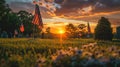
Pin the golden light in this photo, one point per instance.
(61, 31)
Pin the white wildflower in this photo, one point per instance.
(75, 49)
(70, 48)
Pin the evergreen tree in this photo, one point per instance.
(118, 32)
(103, 30)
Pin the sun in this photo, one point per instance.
(61, 31)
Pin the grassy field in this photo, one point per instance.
(27, 52)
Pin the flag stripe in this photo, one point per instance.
(37, 20)
(22, 28)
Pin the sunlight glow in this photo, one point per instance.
(61, 31)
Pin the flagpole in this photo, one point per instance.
(34, 32)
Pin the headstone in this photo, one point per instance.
(4, 34)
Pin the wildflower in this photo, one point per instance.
(114, 54)
(75, 49)
(91, 45)
(38, 55)
(19, 58)
(87, 54)
(84, 46)
(113, 48)
(70, 53)
(95, 43)
(59, 57)
(53, 57)
(62, 52)
(40, 59)
(43, 60)
(96, 47)
(70, 48)
(40, 62)
(99, 55)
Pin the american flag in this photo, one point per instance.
(37, 20)
(22, 28)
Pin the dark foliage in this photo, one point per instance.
(103, 30)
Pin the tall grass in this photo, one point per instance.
(24, 52)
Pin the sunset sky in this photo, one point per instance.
(58, 13)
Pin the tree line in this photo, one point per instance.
(10, 21)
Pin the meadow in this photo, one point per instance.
(28, 52)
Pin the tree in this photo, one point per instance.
(82, 31)
(48, 30)
(48, 33)
(8, 19)
(2, 11)
(9, 23)
(2, 8)
(25, 18)
(103, 30)
(118, 32)
(71, 31)
(81, 26)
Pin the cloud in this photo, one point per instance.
(28, 6)
(72, 7)
(47, 7)
(9, 1)
(90, 10)
(17, 6)
(87, 10)
(97, 6)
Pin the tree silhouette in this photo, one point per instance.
(8, 19)
(82, 30)
(2, 8)
(103, 30)
(48, 30)
(2, 11)
(26, 19)
(71, 30)
(118, 32)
